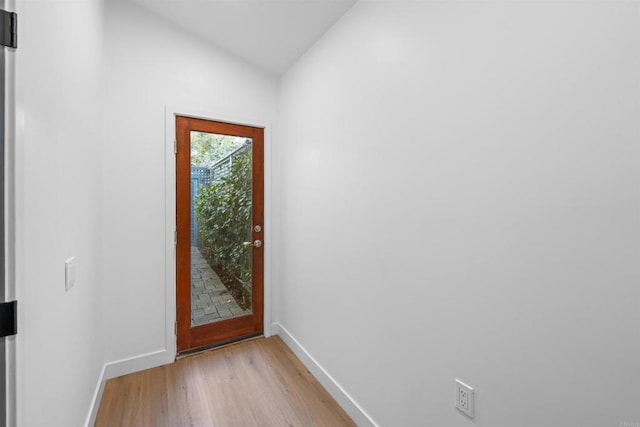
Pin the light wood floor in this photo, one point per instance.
(254, 383)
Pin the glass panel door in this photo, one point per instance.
(221, 223)
(219, 194)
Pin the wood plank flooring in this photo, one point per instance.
(254, 383)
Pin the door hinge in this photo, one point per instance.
(175, 146)
(175, 328)
(175, 237)
(9, 29)
(8, 318)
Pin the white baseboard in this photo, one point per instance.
(357, 414)
(124, 367)
(97, 398)
(162, 357)
(138, 363)
(275, 329)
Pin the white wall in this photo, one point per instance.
(460, 194)
(57, 186)
(151, 65)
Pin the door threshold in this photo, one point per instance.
(218, 345)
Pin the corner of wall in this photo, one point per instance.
(355, 411)
(124, 367)
(97, 398)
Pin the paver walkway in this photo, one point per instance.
(210, 299)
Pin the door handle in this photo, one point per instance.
(255, 244)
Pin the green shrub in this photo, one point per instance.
(223, 212)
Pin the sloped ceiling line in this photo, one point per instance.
(271, 34)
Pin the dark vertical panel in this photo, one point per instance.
(3, 356)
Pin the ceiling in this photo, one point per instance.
(271, 34)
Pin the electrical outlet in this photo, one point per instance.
(464, 398)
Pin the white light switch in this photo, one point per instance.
(69, 273)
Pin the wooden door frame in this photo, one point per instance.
(169, 353)
(192, 337)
